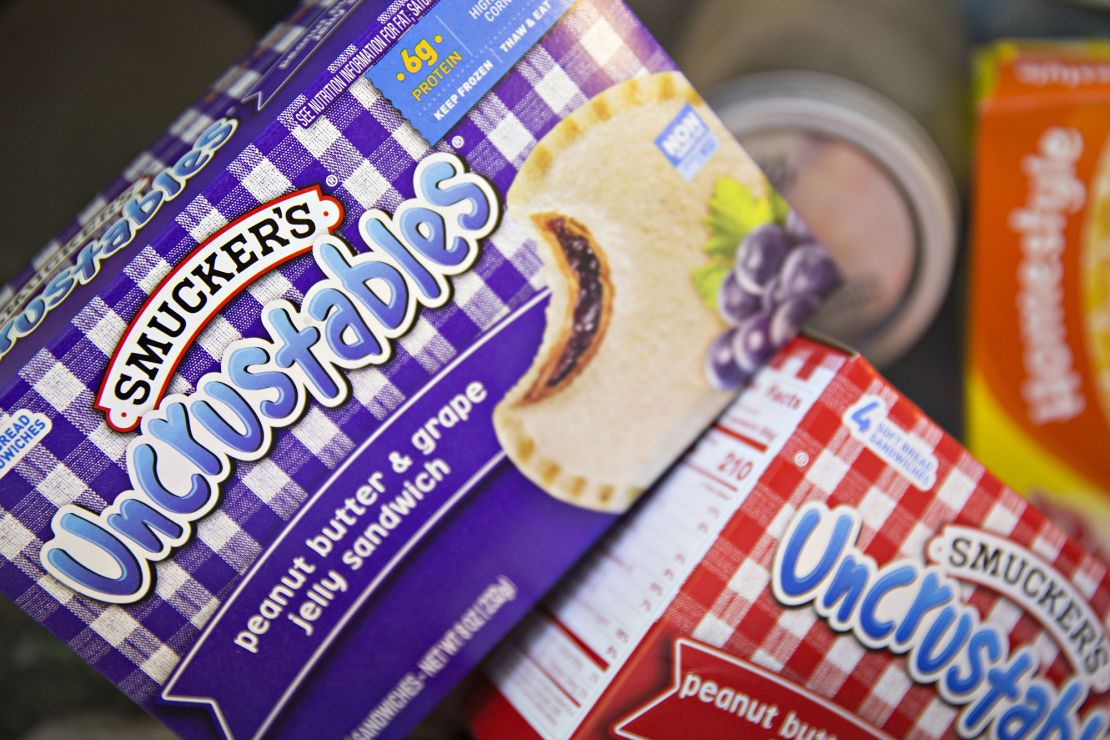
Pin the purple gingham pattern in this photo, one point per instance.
(364, 147)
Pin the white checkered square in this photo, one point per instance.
(375, 391)
(271, 286)
(845, 654)
(205, 612)
(1087, 577)
(115, 625)
(1048, 543)
(797, 622)
(913, 546)
(479, 302)
(876, 507)
(317, 138)
(14, 537)
(1001, 519)
(173, 581)
(178, 588)
(409, 140)
(827, 471)
(713, 631)
(366, 184)
(937, 716)
(228, 78)
(511, 138)
(1005, 615)
(201, 219)
(316, 430)
(101, 325)
(58, 595)
(340, 158)
(179, 385)
(217, 529)
(889, 689)
(282, 38)
(365, 93)
(160, 663)
(266, 182)
(147, 270)
(267, 480)
(241, 551)
(783, 517)
(558, 90)
(92, 208)
(956, 489)
(45, 256)
(601, 41)
(767, 660)
(749, 580)
(61, 486)
(428, 346)
(1045, 648)
(60, 387)
(145, 163)
(190, 125)
(218, 335)
(514, 241)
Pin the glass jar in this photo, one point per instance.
(873, 189)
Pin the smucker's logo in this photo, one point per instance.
(350, 319)
(913, 609)
(193, 294)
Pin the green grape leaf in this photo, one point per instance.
(779, 206)
(733, 212)
(708, 279)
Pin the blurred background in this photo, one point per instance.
(862, 107)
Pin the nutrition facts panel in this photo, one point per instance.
(574, 645)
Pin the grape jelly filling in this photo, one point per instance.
(592, 298)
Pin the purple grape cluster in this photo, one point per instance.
(780, 277)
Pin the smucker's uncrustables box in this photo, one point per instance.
(1038, 398)
(824, 562)
(314, 403)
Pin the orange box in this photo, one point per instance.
(1038, 374)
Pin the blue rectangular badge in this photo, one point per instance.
(687, 143)
(455, 55)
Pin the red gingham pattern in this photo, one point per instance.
(727, 600)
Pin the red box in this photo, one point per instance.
(825, 562)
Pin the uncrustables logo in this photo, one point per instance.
(351, 319)
(913, 609)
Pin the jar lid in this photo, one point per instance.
(874, 190)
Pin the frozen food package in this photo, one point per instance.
(1038, 365)
(825, 562)
(314, 402)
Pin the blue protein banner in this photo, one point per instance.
(352, 535)
(455, 55)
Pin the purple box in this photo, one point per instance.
(310, 407)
